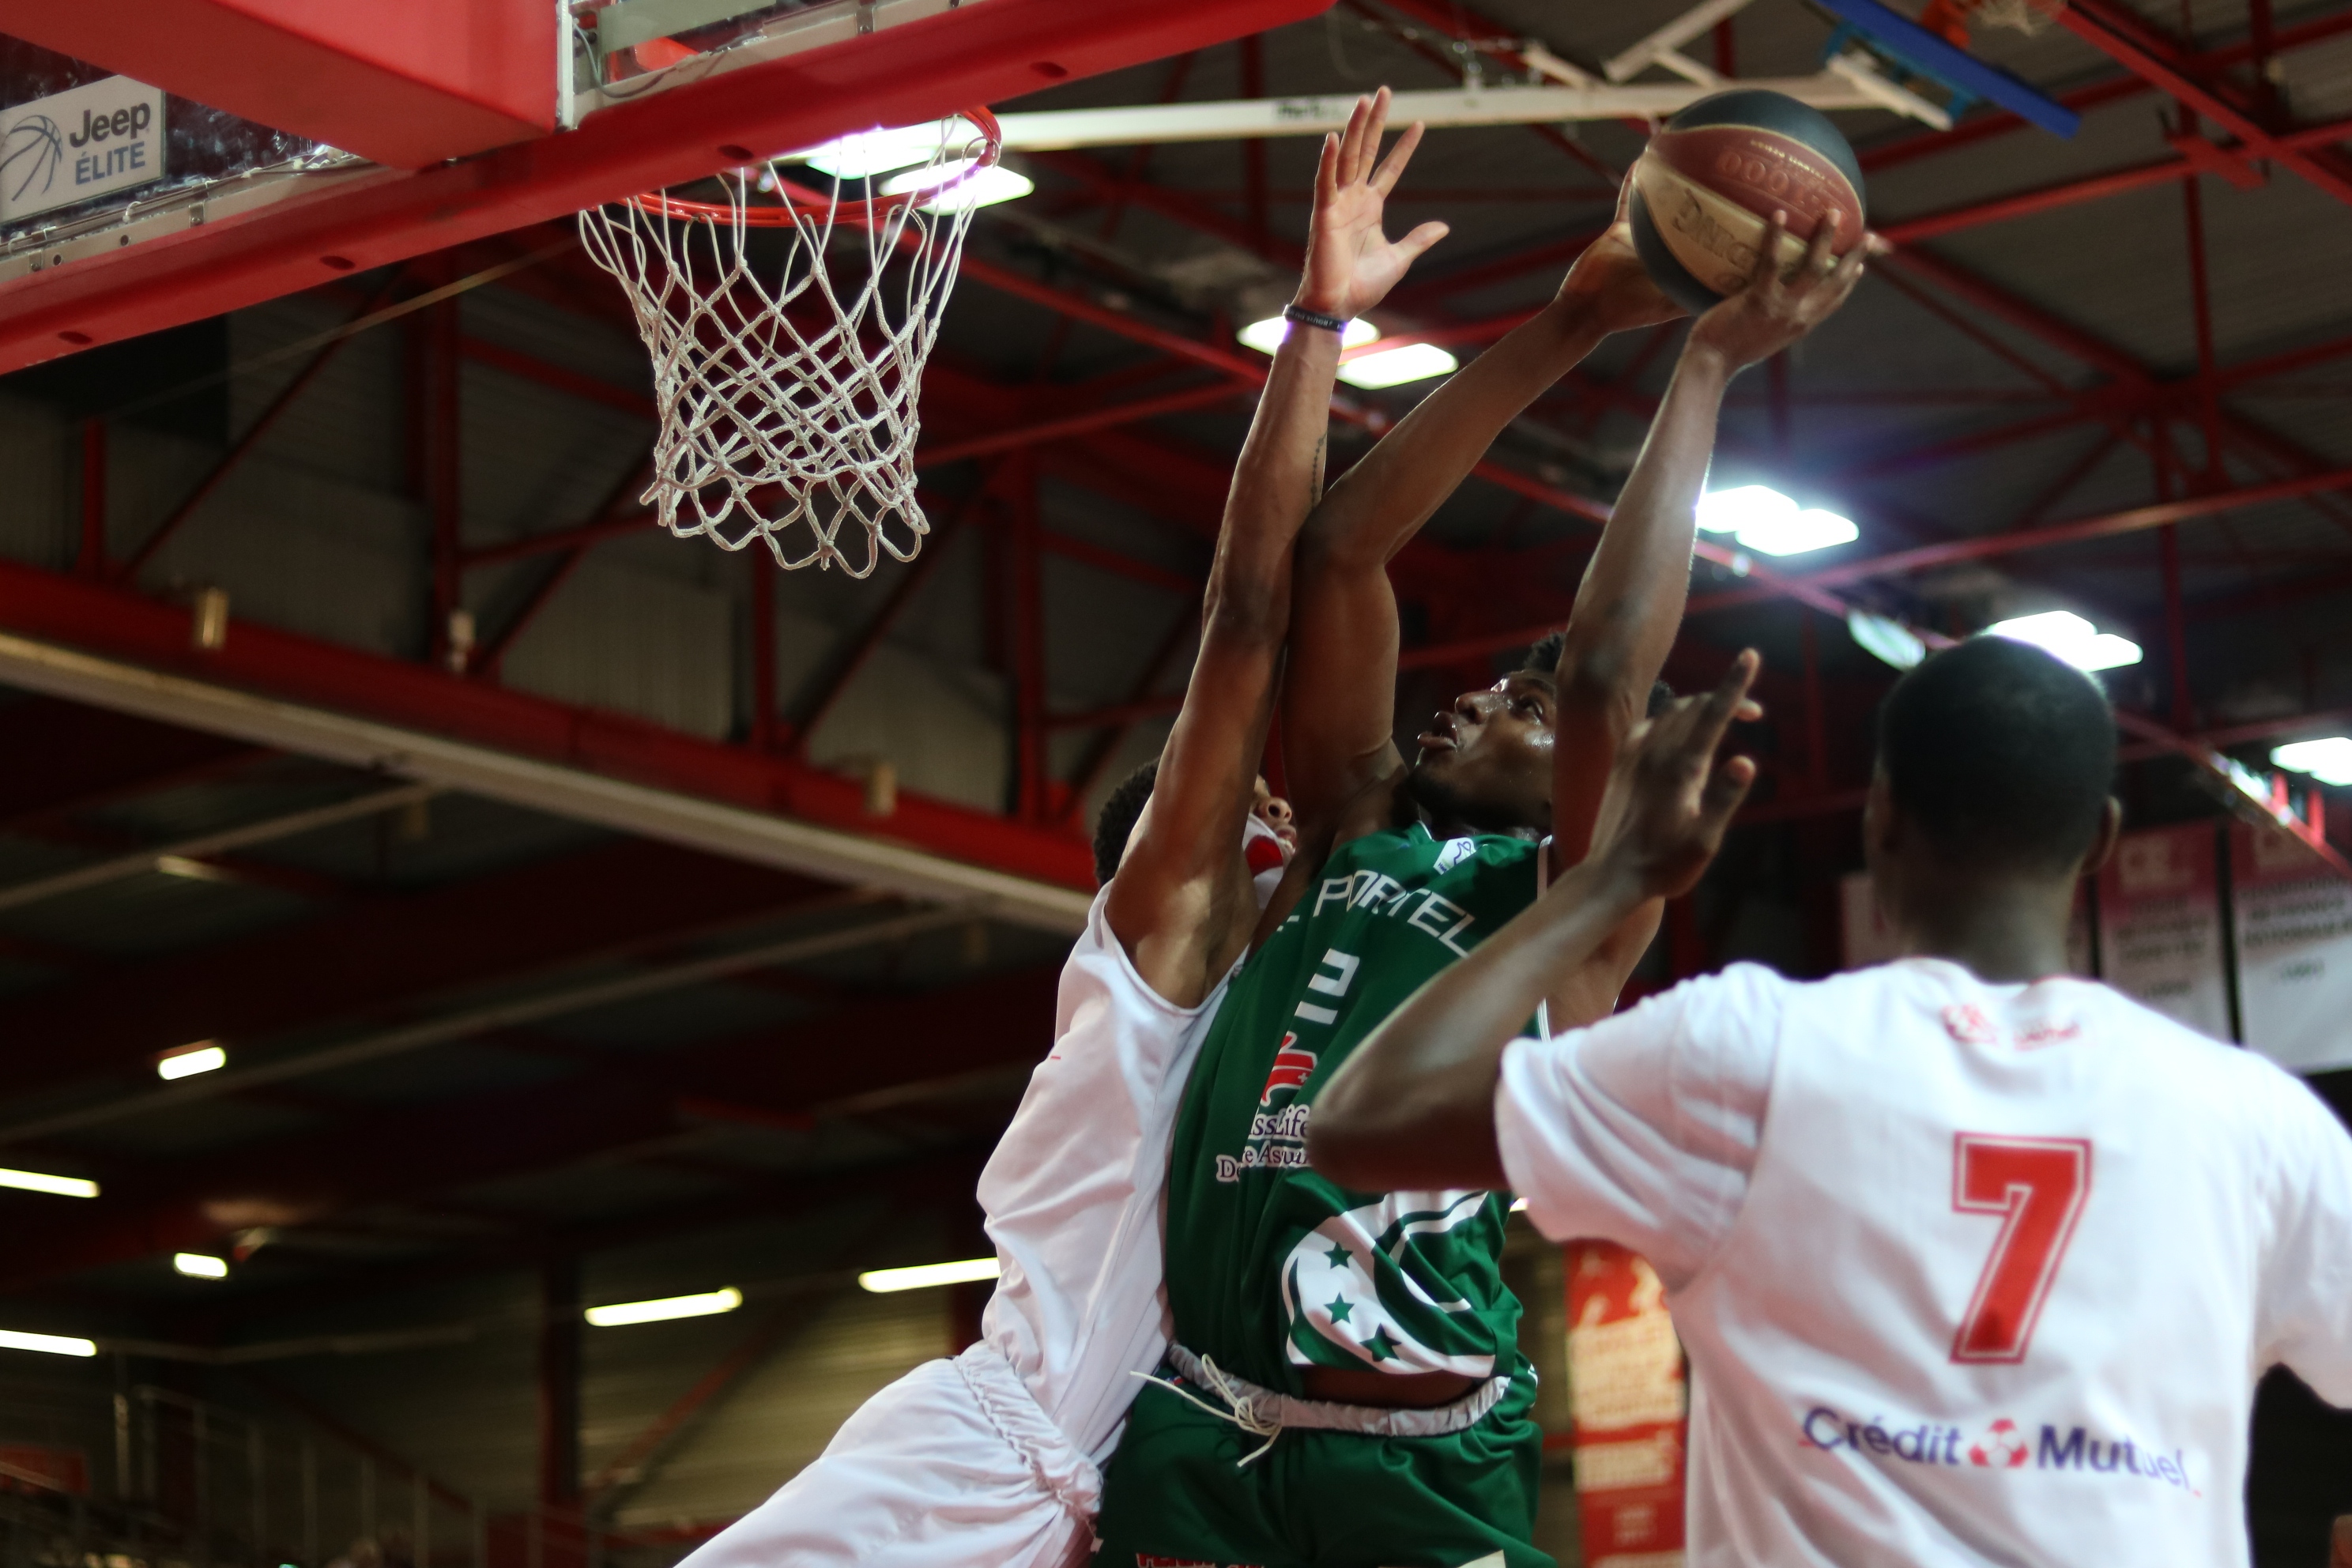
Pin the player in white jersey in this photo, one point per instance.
(1975, 1262)
(990, 1459)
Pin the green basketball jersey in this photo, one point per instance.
(1270, 1267)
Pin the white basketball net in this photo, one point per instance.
(788, 344)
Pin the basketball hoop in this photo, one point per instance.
(787, 355)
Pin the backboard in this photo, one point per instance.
(506, 113)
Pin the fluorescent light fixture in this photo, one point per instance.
(1812, 529)
(1889, 641)
(2071, 637)
(981, 188)
(200, 1266)
(34, 1182)
(1728, 512)
(2329, 761)
(707, 1304)
(862, 154)
(923, 1276)
(189, 1060)
(1769, 524)
(194, 870)
(1394, 367)
(50, 1344)
(1266, 336)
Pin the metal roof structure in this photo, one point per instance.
(699, 921)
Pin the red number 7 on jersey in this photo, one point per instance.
(2037, 1185)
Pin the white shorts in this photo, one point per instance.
(954, 1466)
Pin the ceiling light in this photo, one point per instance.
(923, 1276)
(195, 870)
(2069, 636)
(1394, 367)
(864, 153)
(34, 1182)
(1769, 524)
(973, 187)
(190, 1060)
(1812, 529)
(2328, 760)
(52, 1344)
(1727, 512)
(704, 1305)
(1266, 336)
(200, 1265)
(1889, 641)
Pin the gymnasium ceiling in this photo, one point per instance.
(2031, 356)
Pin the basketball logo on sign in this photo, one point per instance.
(30, 156)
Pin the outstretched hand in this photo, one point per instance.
(1778, 305)
(1608, 280)
(1351, 264)
(1671, 797)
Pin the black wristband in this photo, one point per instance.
(1306, 318)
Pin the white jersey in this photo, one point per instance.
(1967, 1273)
(991, 1460)
(1072, 1193)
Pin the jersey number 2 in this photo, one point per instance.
(2037, 1185)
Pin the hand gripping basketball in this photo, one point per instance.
(1779, 307)
(1610, 281)
(1670, 796)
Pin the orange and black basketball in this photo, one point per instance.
(1714, 174)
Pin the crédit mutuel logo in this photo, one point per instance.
(2001, 1445)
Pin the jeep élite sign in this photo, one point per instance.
(89, 140)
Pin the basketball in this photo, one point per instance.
(1712, 177)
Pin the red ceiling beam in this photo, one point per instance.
(435, 80)
(1004, 1020)
(384, 952)
(115, 623)
(1984, 127)
(2130, 43)
(980, 54)
(63, 756)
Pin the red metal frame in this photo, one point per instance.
(983, 54)
(439, 79)
(111, 621)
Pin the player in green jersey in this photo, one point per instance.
(1345, 1386)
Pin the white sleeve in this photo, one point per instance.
(2307, 1291)
(1643, 1128)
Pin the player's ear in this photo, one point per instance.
(2102, 842)
(1882, 829)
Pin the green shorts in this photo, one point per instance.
(1174, 1492)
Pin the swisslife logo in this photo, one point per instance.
(2001, 1445)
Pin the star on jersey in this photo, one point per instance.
(1355, 1286)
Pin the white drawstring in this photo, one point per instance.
(1241, 1408)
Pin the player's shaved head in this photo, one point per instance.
(2002, 754)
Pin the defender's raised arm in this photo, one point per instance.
(1180, 901)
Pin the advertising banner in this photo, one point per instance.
(2161, 939)
(2293, 920)
(1626, 1398)
(90, 141)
